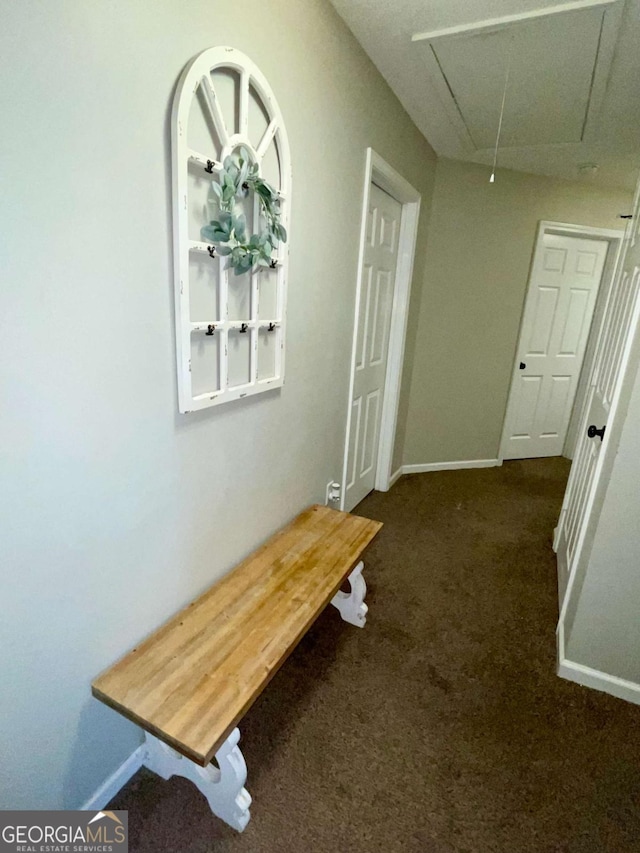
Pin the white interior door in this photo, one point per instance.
(612, 356)
(372, 342)
(563, 287)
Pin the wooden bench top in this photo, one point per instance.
(191, 681)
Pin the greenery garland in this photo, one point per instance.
(238, 177)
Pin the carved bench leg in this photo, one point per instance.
(224, 787)
(351, 604)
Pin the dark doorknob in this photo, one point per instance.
(522, 365)
(593, 431)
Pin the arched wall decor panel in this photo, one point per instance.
(230, 330)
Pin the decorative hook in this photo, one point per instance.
(272, 327)
(243, 327)
(209, 167)
(210, 330)
(273, 264)
(212, 251)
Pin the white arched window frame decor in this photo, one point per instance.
(230, 330)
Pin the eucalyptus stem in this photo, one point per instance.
(238, 177)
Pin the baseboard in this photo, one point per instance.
(450, 466)
(395, 477)
(107, 791)
(594, 678)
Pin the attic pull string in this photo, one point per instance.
(504, 98)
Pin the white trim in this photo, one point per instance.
(393, 479)
(614, 254)
(546, 226)
(619, 389)
(508, 20)
(450, 466)
(378, 171)
(605, 460)
(118, 779)
(572, 230)
(594, 678)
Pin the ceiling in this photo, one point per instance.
(569, 73)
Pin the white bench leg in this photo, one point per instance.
(224, 788)
(351, 604)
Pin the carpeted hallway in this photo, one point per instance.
(441, 726)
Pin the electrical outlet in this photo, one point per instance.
(333, 494)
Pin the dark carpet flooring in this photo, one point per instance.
(441, 725)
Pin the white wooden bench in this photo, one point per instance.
(190, 682)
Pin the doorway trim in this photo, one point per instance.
(379, 172)
(610, 235)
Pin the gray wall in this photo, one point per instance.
(481, 238)
(116, 509)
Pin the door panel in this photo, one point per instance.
(365, 298)
(373, 324)
(524, 425)
(555, 414)
(562, 292)
(578, 316)
(356, 416)
(380, 315)
(554, 260)
(370, 430)
(542, 321)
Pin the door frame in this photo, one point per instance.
(379, 172)
(566, 229)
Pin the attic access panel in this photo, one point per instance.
(559, 60)
(230, 330)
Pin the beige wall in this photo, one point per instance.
(481, 238)
(115, 509)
